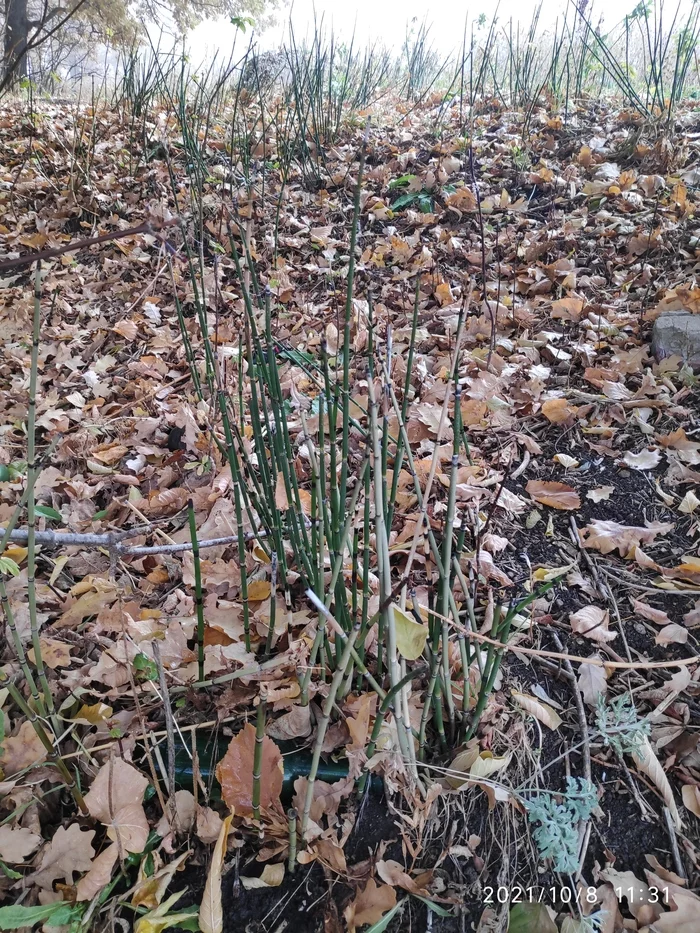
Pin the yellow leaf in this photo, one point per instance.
(410, 635)
(211, 917)
(258, 590)
(95, 715)
(16, 553)
(487, 764)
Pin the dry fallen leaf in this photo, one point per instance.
(691, 798)
(607, 536)
(235, 772)
(211, 917)
(272, 877)
(541, 711)
(100, 874)
(672, 634)
(116, 799)
(592, 622)
(17, 843)
(600, 493)
(556, 495)
(558, 410)
(592, 681)
(69, 851)
(647, 762)
(21, 751)
(649, 612)
(370, 905)
(645, 460)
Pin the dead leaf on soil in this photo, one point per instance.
(541, 711)
(370, 905)
(211, 917)
(556, 495)
(592, 622)
(608, 536)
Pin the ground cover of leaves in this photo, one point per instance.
(585, 455)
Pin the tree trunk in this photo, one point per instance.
(16, 37)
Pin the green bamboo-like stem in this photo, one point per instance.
(384, 707)
(323, 724)
(199, 602)
(470, 623)
(51, 752)
(236, 483)
(292, 824)
(257, 758)
(384, 571)
(427, 706)
(447, 553)
(398, 459)
(359, 663)
(335, 575)
(273, 605)
(32, 473)
(21, 505)
(466, 686)
(348, 320)
(19, 649)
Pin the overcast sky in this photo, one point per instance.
(385, 20)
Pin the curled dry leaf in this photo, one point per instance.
(691, 798)
(557, 495)
(272, 877)
(684, 918)
(211, 917)
(644, 460)
(592, 622)
(558, 410)
(235, 772)
(296, 724)
(689, 503)
(208, 825)
(541, 711)
(606, 536)
(647, 762)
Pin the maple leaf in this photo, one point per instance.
(556, 495)
(235, 772)
(69, 851)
